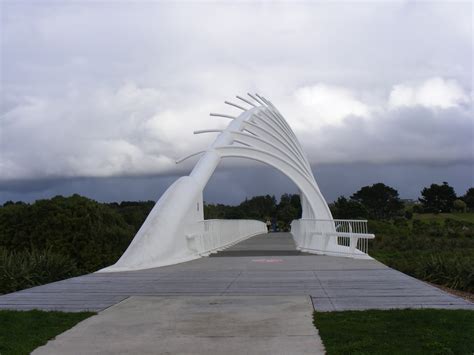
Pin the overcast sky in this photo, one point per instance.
(100, 98)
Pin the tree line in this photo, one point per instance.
(261, 208)
(380, 201)
(376, 202)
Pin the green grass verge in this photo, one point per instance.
(406, 331)
(22, 332)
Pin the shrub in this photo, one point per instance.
(438, 251)
(454, 271)
(25, 269)
(92, 234)
(459, 206)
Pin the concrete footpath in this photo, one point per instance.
(195, 325)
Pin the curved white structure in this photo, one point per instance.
(175, 232)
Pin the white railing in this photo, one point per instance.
(342, 237)
(213, 235)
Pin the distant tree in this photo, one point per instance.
(295, 201)
(348, 209)
(133, 212)
(438, 198)
(381, 201)
(468, 198)
(288, 209)
(258, 207)
(10, 203)
(459, 205)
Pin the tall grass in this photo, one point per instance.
(19, 270)
(441, 252)
(455, 271)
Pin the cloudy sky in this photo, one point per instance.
(100, 98)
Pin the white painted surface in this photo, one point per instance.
(335, 237)
(218, 234)
(175, 232)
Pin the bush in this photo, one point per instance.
(455, 271)
(25, 269)
(459, 206)
(65, 236)
(92, 234)
(439, 251)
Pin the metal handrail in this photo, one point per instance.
(213, 235)
(350, 235)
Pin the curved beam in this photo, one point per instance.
(306, 186)
(274, 111)
(259, 143)
(260, 132)
(235, 105)
(189, 156)
(253, 97)
(246, 101)
(291, 135)
(222, 115)
(207, 131)
(269, 106)
(280, 132)
(284, 135)
(284, 127)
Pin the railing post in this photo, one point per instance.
(352, 240)
(346, 234)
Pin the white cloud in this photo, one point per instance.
(429, 122)
(432, 93)
(408, 135)
(98, 133)
(84, 96)
(328, 104)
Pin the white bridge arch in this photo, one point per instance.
(175, 230)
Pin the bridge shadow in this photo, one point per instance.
(271, 244)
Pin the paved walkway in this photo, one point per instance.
(195, 325)
(271, 244)
(332, 283)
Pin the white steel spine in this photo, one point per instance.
(268, 137)
(175, 230)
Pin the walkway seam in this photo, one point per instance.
(231, 283)
(122, 300)
(324, 290)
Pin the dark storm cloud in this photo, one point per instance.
(231, 186)
(406, 135)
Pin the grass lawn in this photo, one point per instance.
(22, 332)
(440, 217)
(406, 331)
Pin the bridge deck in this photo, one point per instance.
(333, 283)
(270, 244)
